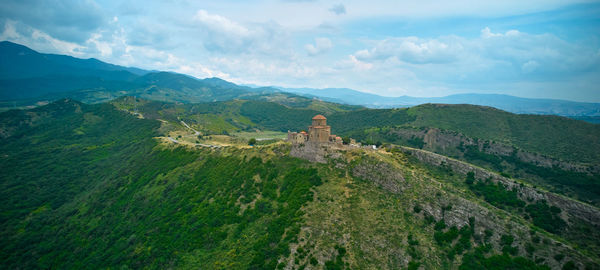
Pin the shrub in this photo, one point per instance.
(570, 265)
(470, 178)
(443, 238)
(440, 225)
(546, 217)
(559, 257)
(497, 194)
(412, 265)
(507, 240)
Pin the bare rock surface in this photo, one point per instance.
(382, 174)
(572, 207)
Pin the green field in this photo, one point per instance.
(261, 135)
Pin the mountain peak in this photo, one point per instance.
(7, 47)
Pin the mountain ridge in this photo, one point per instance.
(28, 78)
(501, 101)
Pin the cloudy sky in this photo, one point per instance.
(532, 48)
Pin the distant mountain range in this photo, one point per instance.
(504, 102)
(29, 78)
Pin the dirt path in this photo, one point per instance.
(187, 126)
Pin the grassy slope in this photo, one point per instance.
(138, 204)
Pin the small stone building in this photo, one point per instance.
(318, 132)
(297, 137)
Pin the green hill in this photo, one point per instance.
(88, 186)
(557, 153)
(555, 136)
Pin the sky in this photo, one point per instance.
(426, 48)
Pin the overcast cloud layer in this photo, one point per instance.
(542, 49)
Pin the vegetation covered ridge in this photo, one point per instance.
(90, 186)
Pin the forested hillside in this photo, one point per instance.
(89, 186)
(557, 153)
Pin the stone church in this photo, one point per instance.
(318, 132)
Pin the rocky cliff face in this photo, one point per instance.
(384, 175)
(318, 152)
(395, 175)
(572, 208)
(450, 143)
(439, 200)
(455, 210)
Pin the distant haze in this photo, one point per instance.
(504, 102)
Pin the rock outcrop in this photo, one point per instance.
(450, 143)
(573, 208)
(382, 174)
(316, 152)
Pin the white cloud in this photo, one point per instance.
(509, 55)
(413, 50)
(321, 45)
(544, 54)
(103, 47)
(338, 9)
(530, 66)
(37, 39)
(222, 35)
(221, 24)
(487, 33)
(359, 65)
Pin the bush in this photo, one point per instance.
(470, 178)
(411, 241)
(529, 248)
(559, 257)
(507, 240)
(346, 140)
(497, 194)
(546, 217)
(570, 265)
(412, 265)
(440, 225)
(477, 260)
(443, 238)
